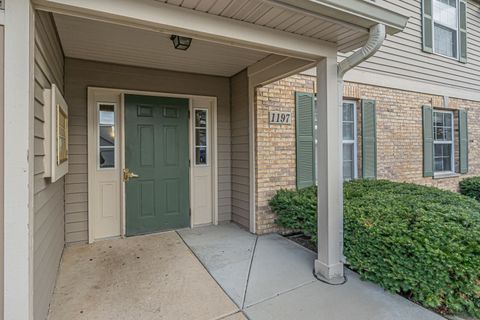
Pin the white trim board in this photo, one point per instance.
(18, 152)
(92, 163)
(405, 84)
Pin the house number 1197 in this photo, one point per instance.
(280, 117)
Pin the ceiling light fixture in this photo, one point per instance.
(181, 43)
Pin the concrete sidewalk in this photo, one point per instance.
(145, 278)
(270, 277)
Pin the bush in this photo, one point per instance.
(471, 187)
(418, 241)
(297, 210)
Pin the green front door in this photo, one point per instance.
(156, 149)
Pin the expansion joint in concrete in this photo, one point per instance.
(249, 271)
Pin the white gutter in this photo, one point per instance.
(375, 40)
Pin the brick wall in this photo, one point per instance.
(275, 145)
(399, 138)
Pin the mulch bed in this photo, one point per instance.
(302, 240)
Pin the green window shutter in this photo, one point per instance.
(427, 25)
(463, 140)
(427, 141)
(305, 139)
(369, 140)
(463, 31)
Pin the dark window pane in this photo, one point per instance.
(443, 157)
(107, 136)
(200, 155)
(107, 158)
(438, 119)
(200, 118)
(447, 164)
(348, 112)
(347, 170)
(447, 119)
(348, 131)
(448, 134)
(447, 150)
(439, 133)
(201, 137)
(348, 161)
(348, 151)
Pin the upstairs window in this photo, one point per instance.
(445, 27)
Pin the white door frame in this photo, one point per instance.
(92, 145)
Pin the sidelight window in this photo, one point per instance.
(106, 136)
(201, 137)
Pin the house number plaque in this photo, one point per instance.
(277, 117)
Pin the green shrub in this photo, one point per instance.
(471, 187)
(297, 210)
(418, 241)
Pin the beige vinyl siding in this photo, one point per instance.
(48, 236)
(80, 74)
(401, 55)
(240, 150)
(2, 154)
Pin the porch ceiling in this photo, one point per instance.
(308, 29)
(320, 19)
(106, 42)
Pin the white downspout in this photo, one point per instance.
(375, 40)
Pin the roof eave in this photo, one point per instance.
(358, 13)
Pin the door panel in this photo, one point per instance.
(104, 200)
(202, 188)
(156, 149)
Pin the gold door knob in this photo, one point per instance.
(127, 175)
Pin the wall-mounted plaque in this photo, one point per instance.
(56, 134)
(277, 117)
(62, 135)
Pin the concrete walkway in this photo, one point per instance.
(270, 277)
(218, 272)
(145, 278)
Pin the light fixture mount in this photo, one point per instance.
(181, 43)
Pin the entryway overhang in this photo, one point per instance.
(270, 39)
(301, 29)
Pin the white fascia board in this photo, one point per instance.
(161, 17)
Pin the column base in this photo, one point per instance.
(330, 274)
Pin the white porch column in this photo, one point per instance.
(18, 161)
(329, 265)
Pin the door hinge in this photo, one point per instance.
(190, 212)
(2, 4)
(188, 110)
